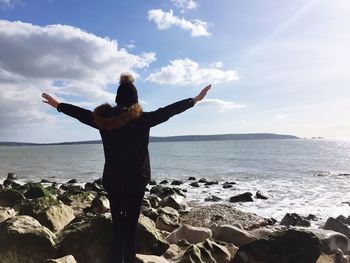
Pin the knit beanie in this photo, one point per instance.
(126, 93)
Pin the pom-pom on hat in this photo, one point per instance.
(126, 93)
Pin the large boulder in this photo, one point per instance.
(49, 212)
(99, 205)
(150, 241)
(11, 197)
(338, 226)
(6, 213)
(191, 234)
(232, 234)
(66, 259)
(206, 252)
(284, 246)
(87, 238)
(24, 239)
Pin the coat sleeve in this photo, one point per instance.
(83, 115)
(163, 114)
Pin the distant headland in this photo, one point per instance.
(182, 138)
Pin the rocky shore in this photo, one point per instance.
(49, 222)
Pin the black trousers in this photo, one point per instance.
(125, 209)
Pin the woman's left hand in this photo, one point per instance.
(49, 100)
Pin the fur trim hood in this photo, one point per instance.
(109, 118)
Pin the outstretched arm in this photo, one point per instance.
(83, 115)
(163, 114)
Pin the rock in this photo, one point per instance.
(36, 190)
(175, 201)
(6, 213)
(72, 181)
(284, 246)
(23, 239)
(177, 182)
(202, 180)
(10, 197)
(331, 241)
(49, 212)
(2, 188)
(11, 184)
(11, 176)
(87, 238)
(343, 219)
(151, 213)
(201, 216)
(162, 191)
(260, 195)
(212, 198)
(164, 182)
(337, 226)
(154, 200)
(208, 183)
(170, 212)
(295, 220)
(207, 251)
(66, 259)
(146, 203)
(99, 205)
(232, 234)
(78, 202)
(191, 178)
(173, 251)
(152, 182)
(150, 259)
(46, 181)
(194, 184)
(93, 187)
(245, 197)
(191, 234)
(226, 185)
(164, 222)
(53, 189)
(71, 189)
(150, 241)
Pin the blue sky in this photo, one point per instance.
(276, 66)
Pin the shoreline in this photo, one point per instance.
(68, 210)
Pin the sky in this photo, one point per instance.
(275, 66)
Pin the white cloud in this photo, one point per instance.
(34, 59)
(188, 72)
(131, 46)
(222, 105)
(185, 4)
(165, 20)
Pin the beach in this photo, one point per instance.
(207, 202)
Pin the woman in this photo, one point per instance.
(125, 131)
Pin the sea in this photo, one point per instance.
(304, 176)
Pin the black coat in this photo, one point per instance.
(125, 137)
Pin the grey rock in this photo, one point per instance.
(260, 195)
(293, 219)
(175, 201)
(212, 198)
(194, 184)
(232, 234)
(338, 226)
(245, 197)
(66, 259)
(190, 234)
(23, 239)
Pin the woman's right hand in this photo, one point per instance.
(49, 100)
(202, 94)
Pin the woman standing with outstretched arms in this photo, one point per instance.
(125, 131)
